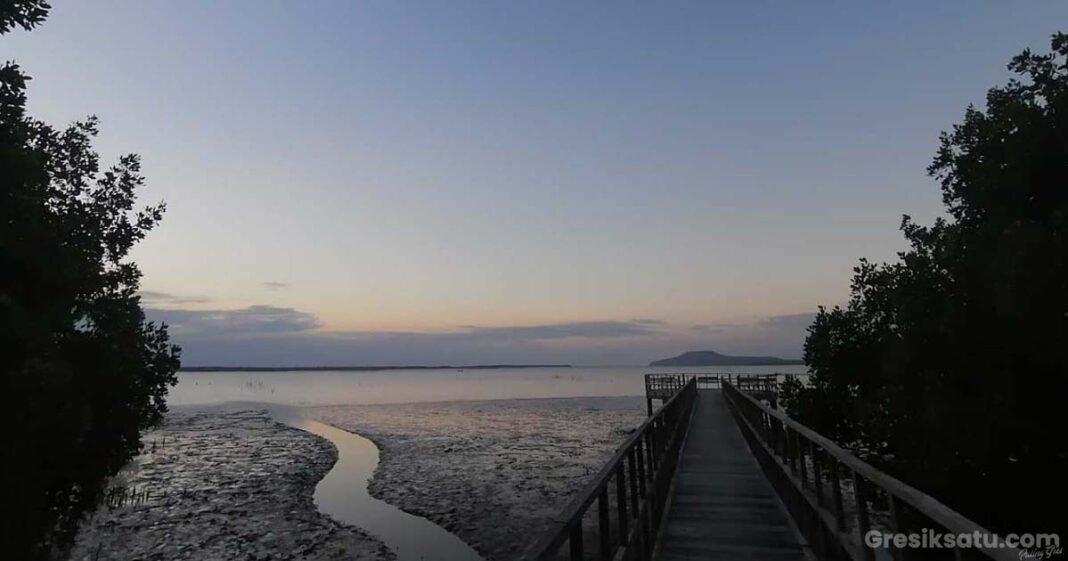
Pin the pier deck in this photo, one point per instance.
(723, 506)
(719, 472)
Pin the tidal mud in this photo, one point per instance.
(224, 486)
(492, 472)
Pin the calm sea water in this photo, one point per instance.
(409, 386)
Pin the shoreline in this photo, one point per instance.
(364, 368)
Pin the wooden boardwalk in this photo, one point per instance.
(720, 503)
(723, 506)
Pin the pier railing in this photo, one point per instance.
(663, 386)
(836, 499)
(634, 485)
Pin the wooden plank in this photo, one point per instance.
(724, 507)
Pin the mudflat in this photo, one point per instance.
(492, 472)
(224, 486)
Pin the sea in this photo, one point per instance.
(337, 387)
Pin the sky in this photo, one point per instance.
(473, 182)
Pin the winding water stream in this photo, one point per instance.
(342, 494)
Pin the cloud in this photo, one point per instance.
(790, 321)
(709, 327)
(579, 329)
(274, 285)
(267, 335)
(782, 336)
(152, 297)
(787, 322)
(241, 322)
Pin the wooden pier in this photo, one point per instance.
(723, 506)
(718, 472)
(664, 386)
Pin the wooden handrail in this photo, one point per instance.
(644, 464)
(781, 440)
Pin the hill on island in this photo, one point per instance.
(712, 358)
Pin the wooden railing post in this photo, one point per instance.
(768, 435)
(632, 476)
(860, 489)
(817, 472)
(647, 448)
(896, 522)
(621, 502)
(639, 456)
(773, 434)
(575, 541)
(780, 439)
(645, 539)
(791, 448)
(836, 489)
(654, 439)
(603, 526)
(650, 471)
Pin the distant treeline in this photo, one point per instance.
(360, 368)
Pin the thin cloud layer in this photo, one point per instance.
(267, 335)
(580, 329)
(789, 321)
(156, 298)
(238, 323)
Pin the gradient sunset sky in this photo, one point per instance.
(455, 182)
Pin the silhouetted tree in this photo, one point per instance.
(22, 13)
(949, 368)
(82, 371)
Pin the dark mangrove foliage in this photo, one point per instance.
(949, 367)
(81, 371)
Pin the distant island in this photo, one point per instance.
(360, 368)
(712, 358)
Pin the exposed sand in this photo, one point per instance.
(225, 486)
(492, 472)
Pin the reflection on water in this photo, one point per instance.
(342, 494)
(408, 386)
